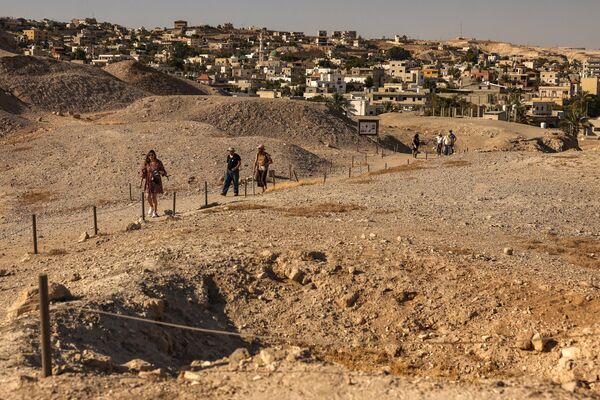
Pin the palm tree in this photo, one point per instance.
(576, 116)
(516, 102)
(339, 103)
(388, 107)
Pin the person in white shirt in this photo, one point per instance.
(439, 139)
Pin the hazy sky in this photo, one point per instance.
(546, 22)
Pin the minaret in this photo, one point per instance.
(261, 51)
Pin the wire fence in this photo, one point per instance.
(43, 231)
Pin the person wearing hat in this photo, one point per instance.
(234, 161)
(261, 167)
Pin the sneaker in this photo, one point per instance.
(150, 212)
(154, 214)
(223, 194)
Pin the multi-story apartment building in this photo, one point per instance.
(322, 39)
(324, 83)
(556, 94)
(36, 35)
(591, 67)
(403, 100)
(549, 78)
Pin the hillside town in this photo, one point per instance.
(359, 76)
(242, 213)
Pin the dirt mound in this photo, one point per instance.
(10, 123)
(7, 42)
(52, 85)
(151, 80)
(112, 155)
(289, 120)
(10, 104)
(476, 134)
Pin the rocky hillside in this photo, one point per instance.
(51, 85)
(289, 120)
(151, 80)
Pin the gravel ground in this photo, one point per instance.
(404, 277)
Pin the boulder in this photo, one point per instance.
(133, 226)
(138, 365)
(153, 375)
(97, 361)
(271, 356)
(238, 356)
(28, 300)
(84, 237)
(295, 274)
(348, 300)
(155, 308)
(541, 343)
(523, 342)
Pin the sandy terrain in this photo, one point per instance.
(464, 277)
(475, 134)
(404, 287)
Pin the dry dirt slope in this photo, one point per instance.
(298, 122)
(476, 134)
(151, 80)
(76, 165)
(51, 85)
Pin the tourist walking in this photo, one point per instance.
(439, 144)
(261, 167)
(152, 172)
(452, 141)
(234, 162)
(416, 143)
(448, 144)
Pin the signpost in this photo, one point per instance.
(368, 126)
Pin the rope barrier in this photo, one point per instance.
(69, 222)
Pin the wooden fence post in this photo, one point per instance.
(34, 230)
(130, 193)
(174, 202)
(45, 326)
(206, 193)
(95, 221)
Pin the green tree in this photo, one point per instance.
(517, 107)
(429, 84)
(326, 64)
(339, 103)
(576, 114)
(388, 107)
(79, 54)
(470, 56)
(594, 107)
(369, 82)
(398, 54)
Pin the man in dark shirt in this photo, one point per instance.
(234, 162)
